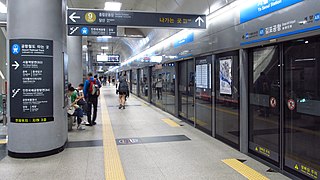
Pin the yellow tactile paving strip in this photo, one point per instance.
(171, 123)
(3, 141)
(112, 163)
(244, 170)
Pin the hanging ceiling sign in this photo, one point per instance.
(135, 19)
(106, 64)
(108, 58)
(81, 30)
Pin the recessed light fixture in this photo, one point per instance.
(306, 42)
(105, 47)
(112, 6)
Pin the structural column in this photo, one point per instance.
(244, 104)
(37, 117)
(75, 69)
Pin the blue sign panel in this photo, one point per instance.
(184, 40)
(262, 7)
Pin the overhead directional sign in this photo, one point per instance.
(135, 19)
(106, 64)
(80, 30)
(108, 58)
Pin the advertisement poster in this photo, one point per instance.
(225, 76)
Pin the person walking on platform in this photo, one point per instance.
(91, 94)
(123, 91)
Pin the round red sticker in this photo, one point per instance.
(273, 102)
(291, 104)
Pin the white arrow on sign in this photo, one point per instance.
(16, 65)
(199, 20)
(73, 17)
(15, 92)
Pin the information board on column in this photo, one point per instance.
(31, 81)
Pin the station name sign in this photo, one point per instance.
(260, 8)
(135, 19)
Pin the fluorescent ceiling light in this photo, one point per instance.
(306, 59)
(105, 47)
(112, 6)
(3, 8)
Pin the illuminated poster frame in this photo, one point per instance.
(225, 75)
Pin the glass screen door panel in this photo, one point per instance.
(144, 78)
(157, 85)
(227, 104)
(203, 94)
(186, 90)
(190, 94)
(168, 93)
(134, 89)
(264, 100)
(302, 106)
(183, 89)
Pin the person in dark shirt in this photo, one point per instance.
(91, 98)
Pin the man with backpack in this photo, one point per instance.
(91, 92)
(123, 91)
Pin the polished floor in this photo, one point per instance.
(151, 144)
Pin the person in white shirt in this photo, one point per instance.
(159, 85)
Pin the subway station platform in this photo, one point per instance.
(139, 142)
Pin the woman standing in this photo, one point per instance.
(123, 90)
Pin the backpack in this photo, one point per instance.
(94, 88)
(123, 86)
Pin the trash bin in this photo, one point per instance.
(70, 122)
